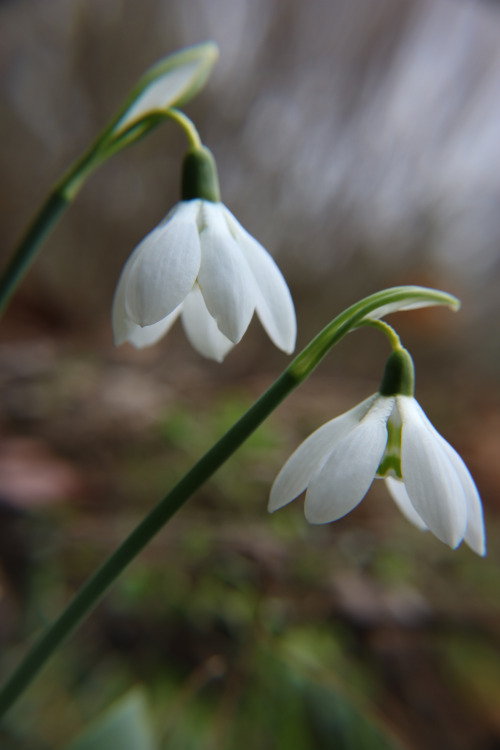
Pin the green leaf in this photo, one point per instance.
(124, 726)
(172, 82)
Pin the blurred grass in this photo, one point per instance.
(245, 629)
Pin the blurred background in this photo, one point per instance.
(360, 143)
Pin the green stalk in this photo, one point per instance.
(301, 367)
(61, 197)
(41, 226)
(90, 594)
(115, 136)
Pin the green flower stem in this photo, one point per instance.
(42, 224)
(70, 184)
(199, 60)
(300, 368)
(386, 329)
(90, 594)
(365, 312)
(61, 197)
(187, 125)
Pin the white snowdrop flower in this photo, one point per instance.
(200, 264)
(388, 436)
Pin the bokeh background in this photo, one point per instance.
(360, 143)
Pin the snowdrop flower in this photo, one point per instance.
(388, 436)
(200, 264)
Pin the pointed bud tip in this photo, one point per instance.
(210, 50)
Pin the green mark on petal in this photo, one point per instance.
(391, 461)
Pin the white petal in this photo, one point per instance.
(142, 336)
(119, 319)
(346, 476)
(201, 329)
(311, 455)
(274, 301)
(475, 535)
(164, 266)
(400, 496)
(430, 476)
(225, 279)
(125, 329)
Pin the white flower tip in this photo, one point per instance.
(121, 330)
(316, 516)
(288, 347)
(279, 496)
(453, 543)
(480, 549)
(216, 356)
(476, 539)
(232, 334)
(138, 344)
(118, 339)
(202, 330)
(450, 531)
(275, 501)
(121, 337)
(475, 535)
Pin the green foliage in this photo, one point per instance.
(125, 726)
(276, 703)
(189, 432)
(472, 663)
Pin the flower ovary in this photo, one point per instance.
(199, 176)
(399, 375)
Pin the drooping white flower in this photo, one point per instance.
(199, 263)
(387, 435)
